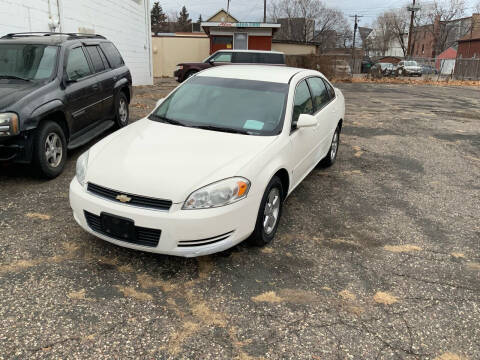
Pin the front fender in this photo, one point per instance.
(41, 112)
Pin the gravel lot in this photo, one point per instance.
(377, 257)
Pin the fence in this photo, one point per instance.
(332, 66)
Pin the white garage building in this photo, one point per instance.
(125, 22)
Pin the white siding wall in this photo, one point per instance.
(125, 22)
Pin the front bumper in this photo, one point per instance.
(176, 225)
(16, 148)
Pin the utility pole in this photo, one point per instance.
(412, 8)
(264, 11)
(355, 27)
(228, 14)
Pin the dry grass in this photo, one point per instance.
(402, 248)
(269, 297)
(385, 298)
(409, 81)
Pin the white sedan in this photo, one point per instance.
(212, 165)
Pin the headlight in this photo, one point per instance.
(81, 171)
(179, 67)
(9, 124)
(218, 194)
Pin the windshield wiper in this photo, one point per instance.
(13, 77)
(167, 120)
(223, 129)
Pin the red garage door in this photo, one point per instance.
(260, 43)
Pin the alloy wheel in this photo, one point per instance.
(53, 150)
(271, 211)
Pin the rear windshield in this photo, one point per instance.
(27, 61)
(231, 105)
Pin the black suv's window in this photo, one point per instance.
(27, 61)
(302, 103)
(96, 58)
(112, 54)
(77, 64)
(319, 92)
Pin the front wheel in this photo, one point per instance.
(50, 150)
(269, 214)
(333, 151)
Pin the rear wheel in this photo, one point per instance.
(269, 214)
(49, 150)
(122, 112)
(333, 151)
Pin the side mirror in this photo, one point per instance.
(211, 62)
(306, 120)
(159, 102)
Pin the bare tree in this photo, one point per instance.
(309, 20)
(477, 8)
(438, 18)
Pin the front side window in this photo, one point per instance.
(319, 92)
(223, 57)
(77, 64)
(303, 103)
(27, 61)
(229, 105)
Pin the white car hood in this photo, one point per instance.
(169, 162)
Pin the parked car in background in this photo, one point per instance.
(429, 70)
(386, 69)
(367, 64)
(57, 92)
(409, 68)
(342, 68)
(226, 57)
(213, 164)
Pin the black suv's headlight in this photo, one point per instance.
(8, 124)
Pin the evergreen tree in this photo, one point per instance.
(158, 18)
(184, 23)
(200, 20)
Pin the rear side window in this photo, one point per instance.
(245, 57)
(272, 58)
(96, 58)
(319, 92)
(330, 89)
(77, 64)
(113, 56)
(302, 103)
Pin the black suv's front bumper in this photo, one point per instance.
(16, 148)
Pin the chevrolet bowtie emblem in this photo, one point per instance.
(123, 198)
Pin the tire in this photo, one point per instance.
(121, 111)
(189, 74)
(264, 234)
(49, 150)
(329, 160)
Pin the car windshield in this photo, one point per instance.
(27, 61)
(231, 105)
(411, 63)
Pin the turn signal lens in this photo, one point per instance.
(242, 188)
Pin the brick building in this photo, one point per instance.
(469, 46)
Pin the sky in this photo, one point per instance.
(252, 10)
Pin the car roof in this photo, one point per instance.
(252, 51)
(269, 73)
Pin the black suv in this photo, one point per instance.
(58, 92)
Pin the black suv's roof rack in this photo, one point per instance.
(70, 35)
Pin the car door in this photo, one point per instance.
(82, 90)
(325, 113)
(304, 141)
(105, 81)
